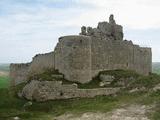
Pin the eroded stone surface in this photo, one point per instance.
(106, 79)
(50, 90)
(156, 88)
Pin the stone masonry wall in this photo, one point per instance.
(41, 62)
(82, 57)
(73, 58)
(110, 55)
(51, 90)
(18, 73)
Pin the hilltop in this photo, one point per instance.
(156, 67)
(133, 103)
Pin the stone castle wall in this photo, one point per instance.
(41, 62)
(73, 58)
(18, 73)
(82, 57)
(110, 55)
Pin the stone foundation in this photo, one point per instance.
(51, 90)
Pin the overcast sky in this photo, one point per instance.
(28, 27)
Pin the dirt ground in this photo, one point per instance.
(2, 73)
(133, 112)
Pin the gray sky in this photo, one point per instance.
(29, 27)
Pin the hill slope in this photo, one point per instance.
(129, 103)
(156, 67)
(4, 75)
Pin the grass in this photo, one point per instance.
(121, 73)
(146, 81)
(46, 75)
(4, 81)
(11, 106)
(155, 115)
(118, 74)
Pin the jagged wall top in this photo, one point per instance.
(107, 30)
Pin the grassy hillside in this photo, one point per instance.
(4, 78)
(156, 67)
(11, 105)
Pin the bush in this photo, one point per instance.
(46, 75)
(120, 73)
(146, 81)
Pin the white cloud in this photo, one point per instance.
(35, 28)
(136, 14)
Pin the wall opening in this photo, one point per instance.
(61, 93)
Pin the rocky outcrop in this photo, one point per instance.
(156, 88)
(51, 90)
(106, 79)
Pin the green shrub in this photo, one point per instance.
(120, 73)
(46, 75)
(146, 81)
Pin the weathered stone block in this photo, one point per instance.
(51, 90)
(41, 62)
(106, 79)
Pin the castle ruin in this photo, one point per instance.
(81, 57)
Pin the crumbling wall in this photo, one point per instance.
(51, 90)
(73, 58)
(82, 57)
(18, 73)
(41, 62)
(109, 51)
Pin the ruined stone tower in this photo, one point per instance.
(81, 57)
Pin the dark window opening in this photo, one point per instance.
(127, 64)
(61, 93)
